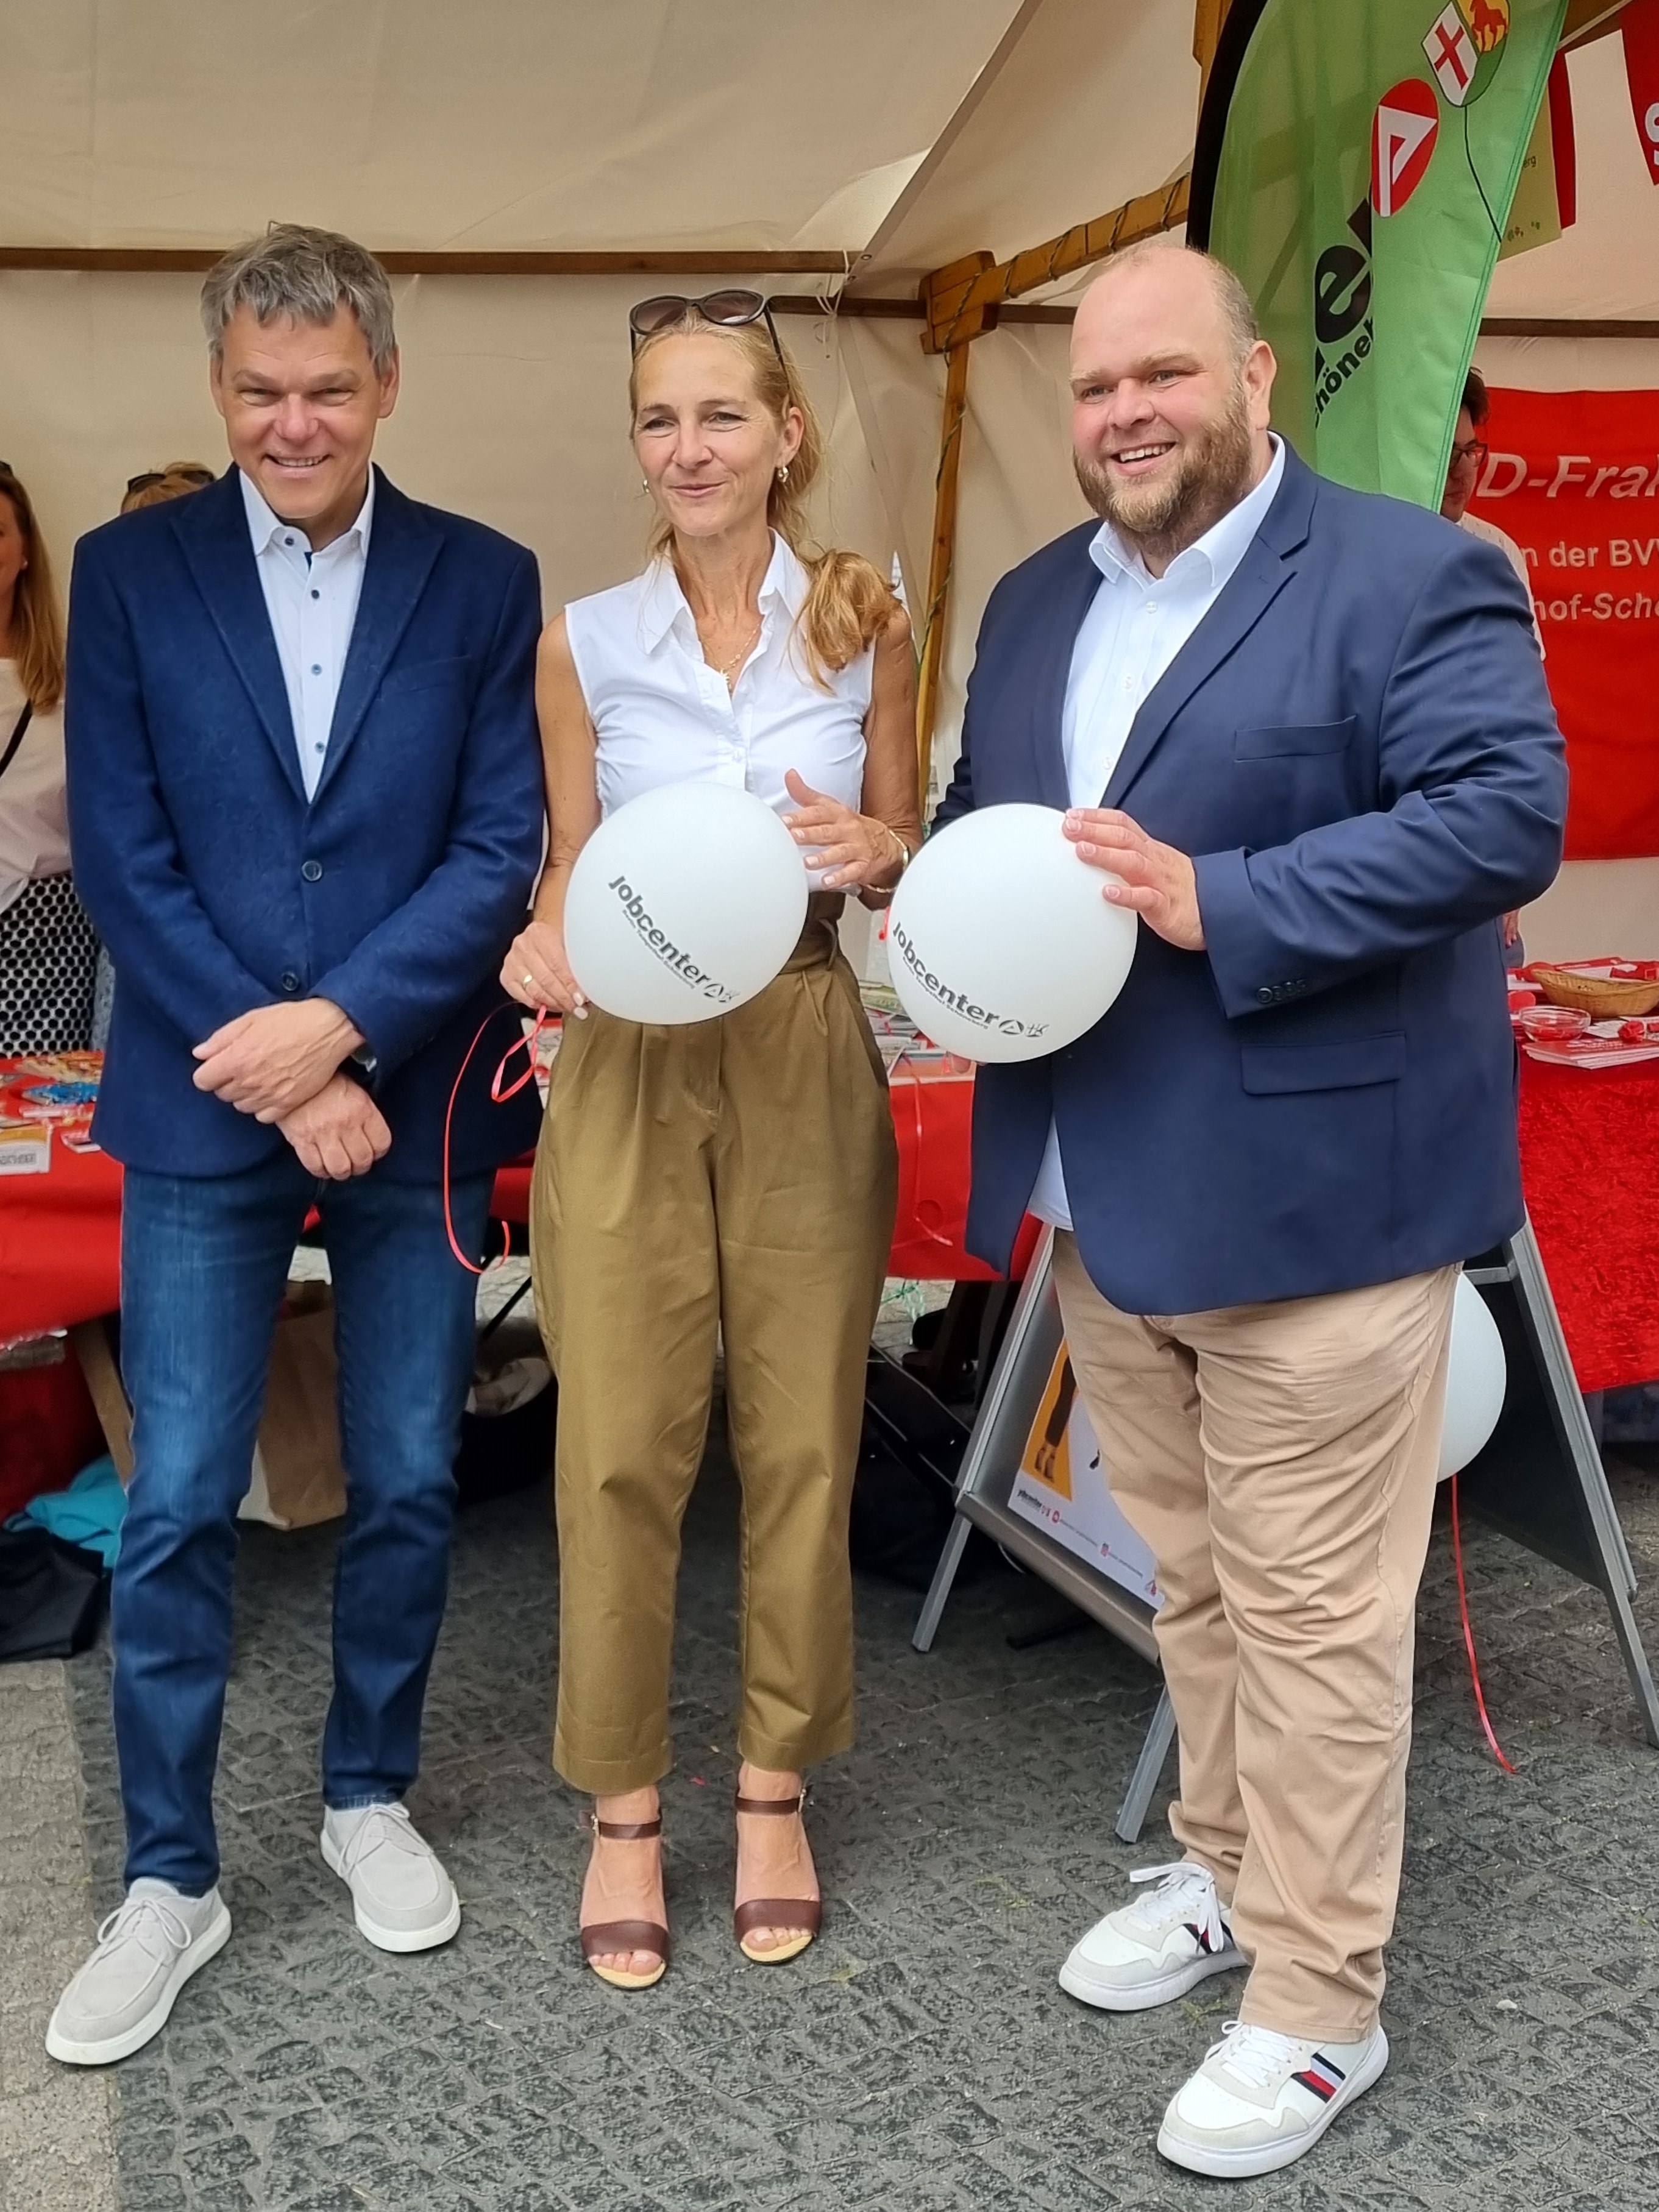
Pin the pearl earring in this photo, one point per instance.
(645, 484)
(783, 473)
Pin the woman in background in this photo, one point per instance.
(735, 1177)
(150, 488)
(48, 947)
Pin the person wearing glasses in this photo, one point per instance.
(733, 1180)
(48, 946)
(1468, 458)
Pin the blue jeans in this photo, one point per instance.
(203, 1261)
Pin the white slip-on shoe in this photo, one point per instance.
(1158, 1948)
(401, 1897)
(147, 1949)
(1261, 2100)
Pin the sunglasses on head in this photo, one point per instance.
(201, 477)
(728, 310)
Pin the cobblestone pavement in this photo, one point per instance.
(920, 2056)
(56, 2153)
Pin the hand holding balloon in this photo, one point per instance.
(1158, 883)
(855, 851)
(537, 974)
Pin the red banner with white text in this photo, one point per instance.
(1573, 477)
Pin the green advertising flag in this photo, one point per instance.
(1356, 164)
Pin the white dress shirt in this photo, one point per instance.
(311, 599)
(33, 813)
(661, 714)
(1136, 624)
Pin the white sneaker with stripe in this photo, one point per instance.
(1261, 2100)
(1157, 1948)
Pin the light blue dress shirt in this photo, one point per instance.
(1136, 624)
(311, 599)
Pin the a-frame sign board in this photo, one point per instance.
(1539, 1480)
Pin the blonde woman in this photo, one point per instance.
(736, 1177)
(154, 486)
(48, 947)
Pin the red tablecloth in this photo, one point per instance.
(1589, 1148)
(1589, 1155)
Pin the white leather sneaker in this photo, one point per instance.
(402, 1900)
(1158, 1948)
(147, 1949)
(1261, 2100)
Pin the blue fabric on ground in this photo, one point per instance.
(89, 1513)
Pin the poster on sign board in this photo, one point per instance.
(1061, 1488)
(1573, 477)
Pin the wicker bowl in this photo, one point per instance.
(1598, 996)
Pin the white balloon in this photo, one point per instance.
(683, 903)
(1475, 1381)
(1000, 943)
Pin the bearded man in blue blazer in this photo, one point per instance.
(1305, 732)
(306, 813)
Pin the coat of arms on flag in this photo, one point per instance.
(1465, 44)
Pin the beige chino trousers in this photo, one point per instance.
(733, 1181)
(1280, 1461)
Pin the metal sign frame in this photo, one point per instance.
(1540, 1481)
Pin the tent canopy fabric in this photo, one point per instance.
(418, 124)
(893, 136)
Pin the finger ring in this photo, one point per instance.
(529, 981)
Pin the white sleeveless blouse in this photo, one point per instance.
(662, 715)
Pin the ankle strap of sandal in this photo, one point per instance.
(625, 1831)
(786, 1805)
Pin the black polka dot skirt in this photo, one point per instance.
(48, 967)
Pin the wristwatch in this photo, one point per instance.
(361, 1069)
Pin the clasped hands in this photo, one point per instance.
(279, 1064)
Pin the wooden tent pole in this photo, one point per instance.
(942, 559)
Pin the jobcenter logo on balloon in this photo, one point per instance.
(665, 950)
(958, 1001)
(1007, 948)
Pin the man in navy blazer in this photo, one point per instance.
(306, 812)
(1305, 732)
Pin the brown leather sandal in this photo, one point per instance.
(802, 1916)
(614, 1936)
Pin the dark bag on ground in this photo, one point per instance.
(52, 1596)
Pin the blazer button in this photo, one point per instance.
(1266, 995)
(312, 872)
(290, 980)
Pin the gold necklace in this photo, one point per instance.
(723, 670)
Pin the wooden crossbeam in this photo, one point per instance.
(170, 260)
(961, 302)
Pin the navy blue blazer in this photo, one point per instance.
(217, 887)
(1358, 748)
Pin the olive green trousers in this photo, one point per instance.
(733, 1180)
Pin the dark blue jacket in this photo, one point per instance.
(1358, 748)
(217, 887)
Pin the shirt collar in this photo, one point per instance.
(267, 528)
(1218, 552)
(664, 604)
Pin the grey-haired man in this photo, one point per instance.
(305, 803)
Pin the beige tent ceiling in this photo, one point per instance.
(494, 124)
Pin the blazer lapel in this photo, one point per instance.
(1266, 567)
(1070, 603)
(212, 529)
(403, 546)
